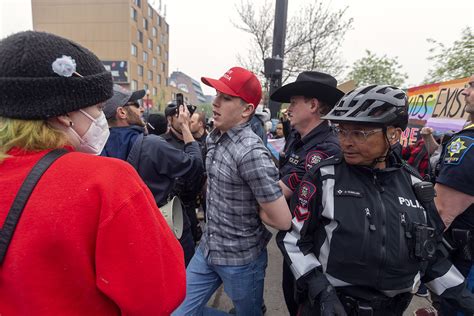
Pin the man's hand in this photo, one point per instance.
(183, 121)
(426, 131)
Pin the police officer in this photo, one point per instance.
(187, 188)
(311, 96)
(455, 193)
(365, 228)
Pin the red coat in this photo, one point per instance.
(90, 241)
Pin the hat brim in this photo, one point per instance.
(320, 91)
(137, 95)
(219, 86)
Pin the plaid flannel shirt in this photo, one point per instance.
(241, 174)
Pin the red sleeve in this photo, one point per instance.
(139, 262)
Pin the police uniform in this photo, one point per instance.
(360, 227)
(457, 172)
(300, 155)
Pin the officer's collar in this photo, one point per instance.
(393, 163)
(315, 134)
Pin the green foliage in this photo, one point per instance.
(206, 108)
(372, 69)
(452, 62)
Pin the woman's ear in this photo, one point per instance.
(64, 120)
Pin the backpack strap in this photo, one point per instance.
(134, 154)
(21, 198)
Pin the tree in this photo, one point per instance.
(313, 38)
(372, 69)
(452, 62)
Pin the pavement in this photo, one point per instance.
(273, 294)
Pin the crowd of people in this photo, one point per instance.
(362, 222)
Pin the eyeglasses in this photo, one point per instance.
(135, 104)
(358, 136)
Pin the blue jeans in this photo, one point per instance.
(243, 284)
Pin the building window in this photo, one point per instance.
(145, 24)
(150, 11)
(134, 85)
(154, 62)
(138, 3)
(158, 20)
(166, 56)
(155, 91)
(140, 36)
(162, 38)
(154, 31)
(133, 14)
(134, 50)
(150, 75)
(158, 50)
(150, 44)
(167, 28)
(158, 79)
(163, 67)
(145, 56)
(145, 87)
(140, 70)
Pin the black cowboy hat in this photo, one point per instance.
(310, 84)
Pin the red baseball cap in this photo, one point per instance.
(238, 82)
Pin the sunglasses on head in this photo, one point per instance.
(135, 104)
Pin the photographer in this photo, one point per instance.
(365, 227)
(186, 188)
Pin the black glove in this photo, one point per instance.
(330, 304)
(320, 290)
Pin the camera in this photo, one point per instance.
(425, 242)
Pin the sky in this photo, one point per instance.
(204, 41)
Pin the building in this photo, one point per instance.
(129, 36)
(189, 86)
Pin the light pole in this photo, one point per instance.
(147, 105)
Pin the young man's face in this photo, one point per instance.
(229, 111)
(195, 124)
(299, 112)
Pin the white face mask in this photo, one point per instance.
(95, 137)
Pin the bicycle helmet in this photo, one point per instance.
(380, 105)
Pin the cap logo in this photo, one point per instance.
(228, 74)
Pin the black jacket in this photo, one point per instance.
(356, 225)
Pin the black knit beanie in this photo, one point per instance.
(30, 89)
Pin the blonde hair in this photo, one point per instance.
(30, 135)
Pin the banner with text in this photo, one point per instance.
(438, 105)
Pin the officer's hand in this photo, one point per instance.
(330, 303)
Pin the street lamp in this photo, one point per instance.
(147, 105)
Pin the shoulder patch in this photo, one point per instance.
(305, 193)
(314, 157)
(457, 149)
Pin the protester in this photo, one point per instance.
(158, 163)
(90, 239)
(455, 195)
(157, 124)
(311, 96)
(279, 130)
(241, 178)
(365, 226)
